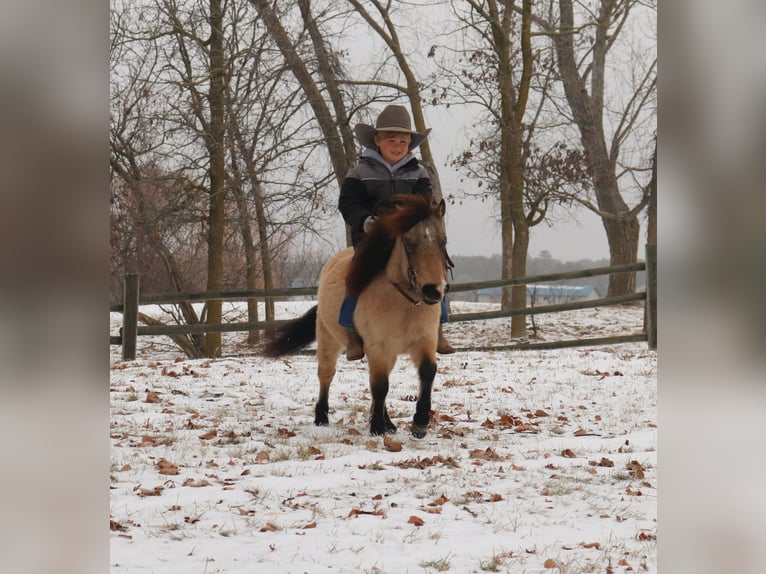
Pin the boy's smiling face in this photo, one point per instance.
(393, 146)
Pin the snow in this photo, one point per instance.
(535, 461)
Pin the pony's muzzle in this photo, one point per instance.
(431, 294)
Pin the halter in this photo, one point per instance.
(412, 278)
(413, 285)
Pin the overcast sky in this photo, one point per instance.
(472, 227)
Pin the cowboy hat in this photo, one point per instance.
(392, 119)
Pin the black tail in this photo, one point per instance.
(293, 336)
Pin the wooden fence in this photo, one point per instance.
(131, 330)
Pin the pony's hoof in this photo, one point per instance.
(390, 428)
(419, 431)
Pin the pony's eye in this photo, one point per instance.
(409, 247)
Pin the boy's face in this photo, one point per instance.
(393, 145)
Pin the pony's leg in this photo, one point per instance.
(427, 372)
(380, 422)
(327, 356)
(325, 372)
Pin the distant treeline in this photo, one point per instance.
(481, 268)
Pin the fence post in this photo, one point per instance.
(130, 316)
(651, 294)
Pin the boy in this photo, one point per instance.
(385, 167)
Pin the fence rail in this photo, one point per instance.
(132, 300)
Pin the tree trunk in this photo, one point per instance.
(327, 123)
(251, 274)
(214, 143)
(263, 243)
(651, 230)
(620, 223)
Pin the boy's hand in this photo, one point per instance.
(369, 223)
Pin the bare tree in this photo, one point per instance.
(582, 50)
(225, 113)
(385, 27)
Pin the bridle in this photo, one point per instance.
(412, 278)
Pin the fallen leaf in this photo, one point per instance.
(212, 433)
(156, 491)
(195, 483)
(550, 563)
(152, 397)
(262, 457)
(416, 520)
(270, 527)
(284, 433)
(595, 545)
(167, 467)
(567, 453)
(391, 444)
(310, 525)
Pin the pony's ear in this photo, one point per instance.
(442, 208)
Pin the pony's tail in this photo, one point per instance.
(292, 336)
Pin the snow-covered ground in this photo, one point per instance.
(535, 461)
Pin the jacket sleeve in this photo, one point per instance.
(354, 203)
(423, 184)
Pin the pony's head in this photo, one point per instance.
(409, 242)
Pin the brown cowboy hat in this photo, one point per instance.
(392, 119)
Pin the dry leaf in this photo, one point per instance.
(595, 545)
(195, 483)
(550, 563)
(391, 444)
(270, 527)
(152, 397)
(167, 467)
(284, 433)
(262, 457)
(416, 520)
(567, 453)
(310, 525)
(212, 433)
(156, 491)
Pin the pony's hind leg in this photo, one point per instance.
(327, 359)
(427, 373)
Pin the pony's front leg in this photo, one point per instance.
(380, 422)
(427, 373)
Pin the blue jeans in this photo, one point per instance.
(347, 308)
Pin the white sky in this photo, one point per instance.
(472, 226)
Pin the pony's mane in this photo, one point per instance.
(396, 216)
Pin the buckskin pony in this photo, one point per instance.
(399, 272)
